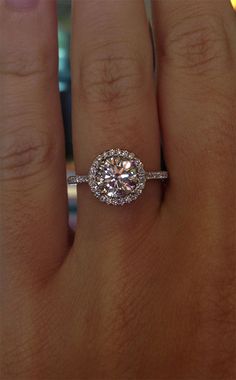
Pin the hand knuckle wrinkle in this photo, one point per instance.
(24, 154)
(111, 81)
(199, 44)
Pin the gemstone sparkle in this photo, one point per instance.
(119, 177)
(116, 177)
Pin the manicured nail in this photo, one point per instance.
(21, 4)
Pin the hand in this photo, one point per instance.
(148, 290)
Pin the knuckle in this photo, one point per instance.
(112, 81)
(24, 51)
(25, 153)
(199, 44)
(21, 62)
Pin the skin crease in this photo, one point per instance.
(146, 291)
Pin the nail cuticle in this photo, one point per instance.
(21, 4)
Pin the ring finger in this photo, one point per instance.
(113, 99)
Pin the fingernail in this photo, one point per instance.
(21, 4)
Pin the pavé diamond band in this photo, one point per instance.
(117, 177)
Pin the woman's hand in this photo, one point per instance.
(148, 290)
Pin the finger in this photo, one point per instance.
(33, 204)
(113, 98)
(196, 51)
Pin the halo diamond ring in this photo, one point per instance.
(117, 177)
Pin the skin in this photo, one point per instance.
(145, 291)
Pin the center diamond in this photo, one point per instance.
(117, 176)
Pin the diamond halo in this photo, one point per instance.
(116, 177)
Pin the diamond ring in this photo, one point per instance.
(117, 177)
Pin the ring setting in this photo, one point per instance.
(117, 177)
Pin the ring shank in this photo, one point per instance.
(161, 175)
(77, 179)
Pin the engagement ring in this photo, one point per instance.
(117, 177)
